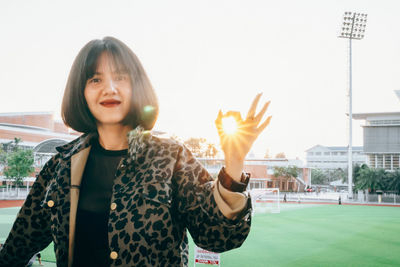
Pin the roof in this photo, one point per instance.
(337, 148)
(364, 116)
(9, 114)
(37, 131)
(49, 146)
(22, 126)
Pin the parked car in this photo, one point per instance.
(310, 189)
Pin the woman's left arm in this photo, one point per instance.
(218, 219)
(236, 145)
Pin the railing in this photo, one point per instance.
(333, 197)
(13, 193)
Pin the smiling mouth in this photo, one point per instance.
(110, 103)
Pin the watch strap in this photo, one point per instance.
(231, 184)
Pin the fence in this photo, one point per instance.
(358, 198)
(384, 198)
(13, 193)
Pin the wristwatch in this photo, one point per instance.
(232, 185)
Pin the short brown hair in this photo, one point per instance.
(75, 111)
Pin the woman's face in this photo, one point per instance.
(108, 93)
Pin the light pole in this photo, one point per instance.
(353, 27)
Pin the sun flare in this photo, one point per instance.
(229, 125)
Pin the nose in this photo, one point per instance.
(110, 88)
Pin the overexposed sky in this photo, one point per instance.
(202, 56)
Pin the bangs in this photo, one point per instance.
(119, 61)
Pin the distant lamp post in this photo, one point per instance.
(353, 27)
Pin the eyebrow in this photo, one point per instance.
(122, 71)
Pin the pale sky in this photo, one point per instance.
(202, 56)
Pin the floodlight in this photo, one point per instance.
(353, 27)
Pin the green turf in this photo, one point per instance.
(305, 235)
(325, 235)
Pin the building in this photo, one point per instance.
(37, 130)
(381, 139)
(333, 157)
(262, 173)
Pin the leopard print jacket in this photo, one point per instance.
(160, 191)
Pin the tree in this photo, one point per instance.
(17, 162)
(3, 157)
(19, 165)
(335, 174)
(267, 154)
(280, 155)
(356, 173)
(371, 179)
(12, 145)
(195, 146)
(393, 181)
(211, 150)
(318, 177)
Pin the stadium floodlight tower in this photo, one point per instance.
(353, 27)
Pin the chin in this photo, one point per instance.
(111, 121)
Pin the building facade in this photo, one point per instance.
(333, 157)
(381, 139)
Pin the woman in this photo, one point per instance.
(118, 196)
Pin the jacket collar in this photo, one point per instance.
(138, 139)
(76, 145)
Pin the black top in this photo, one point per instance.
(91, 239)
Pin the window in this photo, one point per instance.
(395, 161)
(379, 161)
(388, 161)
(372, 161)
(327, 153)
(318, 153)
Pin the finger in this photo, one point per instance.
(253, 106)
(218, 121)
(264, 124)
(235, 114)
(262, 111)
(219, 117)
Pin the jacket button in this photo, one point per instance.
(50, 203)
(113, 206)
(113, 255)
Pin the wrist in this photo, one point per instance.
(234, 167)
(232, 185)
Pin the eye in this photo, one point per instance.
(94, 80)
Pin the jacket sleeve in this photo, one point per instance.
(208, 226)
(31, 231)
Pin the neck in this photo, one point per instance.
(113, 137)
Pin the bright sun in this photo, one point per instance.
(229, 125)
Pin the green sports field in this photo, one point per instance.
(305, 235)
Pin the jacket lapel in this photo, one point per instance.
(78, 162)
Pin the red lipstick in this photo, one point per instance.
(110, 103)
